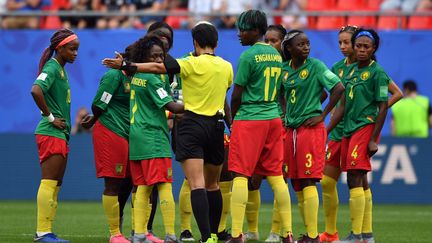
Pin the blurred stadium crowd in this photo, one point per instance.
(299, 14)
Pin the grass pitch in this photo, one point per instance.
(84, 222)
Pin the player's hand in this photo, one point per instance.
(59, 123)
(88, 121)
(313, 121)
(372, 148)
(115, 63)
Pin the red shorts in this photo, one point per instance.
(305, 151)
(151, 171)
(333, 154)
(256, 147)
(111, 153)
(49, 145)
(354, 150)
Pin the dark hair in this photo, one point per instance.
(410, 85)
(161, 25)
(140, 50)
(287, 40)
(278, 28)
(373, 33)
(56, 38)
(252, 19)
(205, 34)
(349, 29)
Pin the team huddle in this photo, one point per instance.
(149, 105)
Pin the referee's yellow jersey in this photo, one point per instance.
(205, 81)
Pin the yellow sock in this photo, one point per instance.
(225, 187)
(141, 208)
(185, 207)
(112, 209)
(367, 216)
(311, 206)
(45, 205)
(239, 199)
(252, 210)
(300, 201)
(275, 227)
(54, 203)
(167, 206)
(330, 203)
(132, 211)
(357, 208)
(283, 200)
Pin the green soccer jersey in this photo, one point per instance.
(113, 97)
(259, 71)
(303, 88)
(365, 88)
(148, 135)
(341, 69)
(54, 83)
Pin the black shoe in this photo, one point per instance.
(288, 239)
(306, 239)
(224, 235)
(186, 235)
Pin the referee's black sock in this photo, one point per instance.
(215, 209)
(200, 210)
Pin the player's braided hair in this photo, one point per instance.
(56, 38)
(287, 40)
(278, 28)
(252, 19)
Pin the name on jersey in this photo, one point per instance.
(268, 58)
(139, 82)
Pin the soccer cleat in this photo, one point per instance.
(223, 235)
(367, 238)
(288, 239)
(252, 235)
(273, 237)
(50, 237)
(186, 235)
(153, 238)
(351, 238)
(306, 239)
(235, 239)
(118, 239)
(140, 238)
(326, 237)
(171, 239)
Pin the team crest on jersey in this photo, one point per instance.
(341, 72)
(364, 75)
(126, 86)
(303, 74)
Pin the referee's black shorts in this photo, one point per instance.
(200, 137)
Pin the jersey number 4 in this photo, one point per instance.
(271, 75)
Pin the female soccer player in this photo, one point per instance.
(51, 93)
(199, 145)
(273, 36)
(303, 87)
(149, 148)
(332, 167)
(364, 109)
(256, 139)
(110, 142)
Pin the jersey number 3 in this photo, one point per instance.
(269, 73)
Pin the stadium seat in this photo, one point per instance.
(390, 22)
(176, 21)
(321, 5)
(50, 23)
(373, 4)
(363, 21)
(330, 22)
(351, 5)
(420, 23)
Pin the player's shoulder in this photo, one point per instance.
(338, 64)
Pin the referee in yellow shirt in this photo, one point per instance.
(199, 145)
